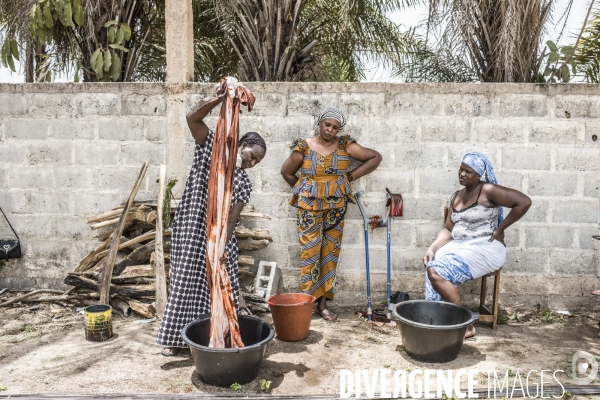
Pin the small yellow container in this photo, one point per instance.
(98, 322)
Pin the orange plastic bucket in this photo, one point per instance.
(292, 313)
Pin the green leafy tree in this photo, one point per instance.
(587, 54)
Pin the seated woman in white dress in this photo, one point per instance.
(471, 244)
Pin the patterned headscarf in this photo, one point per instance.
(482, 165)
(333, 113)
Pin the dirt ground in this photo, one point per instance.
(44, 350)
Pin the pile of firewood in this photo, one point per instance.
(140, 261)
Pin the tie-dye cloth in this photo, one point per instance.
(459, 261)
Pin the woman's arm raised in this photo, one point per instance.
(196, 116)
(369, 157)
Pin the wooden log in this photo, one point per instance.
(137, 214)
(254, 215)
(108, 215)
(121, 305)
(257, 234)
(151, 217)
(244, 271)
(145, 310)
(136, 257)
(257, 307)
(58, 299)
(161, 279)
(136, 271)
(251, 244)
(122, 290)
(145, 236)
(26, 295)
(114, 244)
(247, 260)
(92, 258)
(253, 297)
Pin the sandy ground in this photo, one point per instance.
(44, 351)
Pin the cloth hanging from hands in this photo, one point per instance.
(224, 328)
(189, 292)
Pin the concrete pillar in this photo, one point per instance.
(180, 70)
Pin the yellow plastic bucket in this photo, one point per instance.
(98, 322)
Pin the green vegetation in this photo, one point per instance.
(265, 385)
(236, 387)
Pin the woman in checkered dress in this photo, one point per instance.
(189, 295)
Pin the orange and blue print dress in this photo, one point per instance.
(321, 195)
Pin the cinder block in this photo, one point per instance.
(283, 231)
(50, 104)
(155, 129)
(556, 132)
(378, 131)
(585, 237)
(13, 154)
(524, 262)
(137, 104)
(130, 128)
(275, 205)
(31, 178)
(70, 228)
(248, 123)
(424, 208)
(303, 104)
(552, 184)
(468, 105)
(513, 179)
(25, 128)
(590, 184)
(137, 153)
(12, 104)
(426, 233)
(573, 106)
(54, 153)
(118, 179)
(12, 201)
(98, 153)
(444, 130)
(69, 179)
(592, 128)
(409, 260)
(190, 149)
(271, 181)
(572, 262)
(52, 203)
(413, 157)
(364, 104)
(520, 105)
(98, 104)
(577, 159)
(549, 237)
(267, 279)
(511, 236)
(398, 182)
(269, 104)
(499, 131)
(31, 226)
(402, 232)
(408, 104)
(91, 204)
(526, 157)
(585, 211)
(287, 129)
(538, 212)
(72, 128)
(440, 182)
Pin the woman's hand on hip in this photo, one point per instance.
(428, 257)
(498, 235)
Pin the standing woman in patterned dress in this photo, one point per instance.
(321, 194)
(189, 295)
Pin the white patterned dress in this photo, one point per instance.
(189, 295)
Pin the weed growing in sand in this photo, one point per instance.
(547, 316)
(265, 385)
(236, 387)
(3, 387)
(374, 338)
(503, 319)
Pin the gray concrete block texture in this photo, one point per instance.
(69, 151)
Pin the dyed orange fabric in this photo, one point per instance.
(224, 328)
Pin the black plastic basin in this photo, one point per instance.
(433, 331)
(223, 367)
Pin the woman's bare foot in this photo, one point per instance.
(470, 332)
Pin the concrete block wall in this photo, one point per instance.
(539, 138)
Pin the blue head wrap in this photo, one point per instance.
(481, 164)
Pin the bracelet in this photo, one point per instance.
(349, 176)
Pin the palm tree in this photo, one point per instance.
(497, 41)
(587, 54)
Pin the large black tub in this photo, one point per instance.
(433, 331)
(223, 367)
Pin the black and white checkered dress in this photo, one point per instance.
(189, 295)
